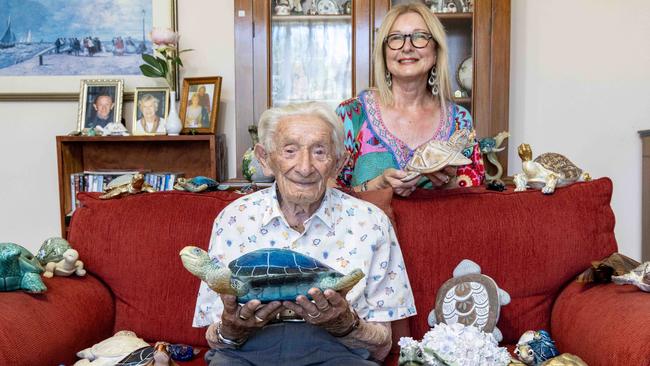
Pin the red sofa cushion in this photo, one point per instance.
(589, 321)
(132, 244)
(531, 244)
(71, 304)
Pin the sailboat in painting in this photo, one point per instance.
(9, 38)
(28, 39)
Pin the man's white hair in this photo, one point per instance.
(270, 119)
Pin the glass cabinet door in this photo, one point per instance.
(310, 54)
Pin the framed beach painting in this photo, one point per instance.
(200, 104)
(48, 46)
(100, 103)
(150, 109)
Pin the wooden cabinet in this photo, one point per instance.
(190, 155)
(263, 46)
(645, 196)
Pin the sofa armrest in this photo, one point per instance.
(604, 324)
(49, 328)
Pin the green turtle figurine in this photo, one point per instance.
(546, 172)
(196, 184)
(52, 250)
(19, 269)
(266, 274)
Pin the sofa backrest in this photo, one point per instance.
(531, 244)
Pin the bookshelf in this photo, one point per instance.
(188, 154)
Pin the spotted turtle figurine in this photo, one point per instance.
(266, 274)
(19, 269)
(546, 172)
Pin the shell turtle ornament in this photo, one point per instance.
(435, 155)
(196, 184)
(125, 185)
(111, 350)
(470, 298)
(19, 269)
(546, 172)
(639, 277)
(266, 274)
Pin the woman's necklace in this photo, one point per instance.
(154, 125)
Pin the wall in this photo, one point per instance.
(29, 200)
(579, 75)
(579, 86)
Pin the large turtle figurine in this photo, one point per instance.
(125, 185)
(19, 269)
(196, 184)
(266, 274)
(470, 298)
(435, 155)
(547, 171)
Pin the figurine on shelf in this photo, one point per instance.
(65, 267)
(547, 171)
(112, 129)
(196, 184)
(125, 185)
(19, 269)
(490, 146)
(285, 7)
(435, 5)
(251, 167)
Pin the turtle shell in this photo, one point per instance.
(559, 164)
(278, 274)
(52, 250)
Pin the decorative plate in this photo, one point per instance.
(327, 7)
(464, 74)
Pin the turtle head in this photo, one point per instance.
(410, 353)
(213, 272)
(525, 152)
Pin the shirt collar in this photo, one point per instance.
(272, 210)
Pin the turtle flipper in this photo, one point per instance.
(348, 281)
(32, 282)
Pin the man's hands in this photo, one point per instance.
(238, 322)
(329, 310)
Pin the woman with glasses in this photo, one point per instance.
(410, 106)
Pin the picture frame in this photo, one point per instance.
(100, 103)
(26, 86)
(200, 104)
(150, 111)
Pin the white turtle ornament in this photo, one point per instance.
(111, 350)
(546, 172)
(470, 298)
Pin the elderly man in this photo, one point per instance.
(302, 146)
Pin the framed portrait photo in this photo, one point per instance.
(150, 110)
(200, 104)
(100, 103)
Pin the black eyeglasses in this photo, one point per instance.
(418, 40)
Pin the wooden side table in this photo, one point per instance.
(645, 197)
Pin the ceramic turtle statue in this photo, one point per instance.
(490, 146)
(546, 172)
(266, 274)
(435, 155)
(65, 267)
(125, 185)
(19, 269)
(639, 277)
(470, 298)
(535, 347)
(196, 184)
(52, 250)
(111, 350)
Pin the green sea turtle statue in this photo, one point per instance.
(266, 274)
(546, 172)
(490, 146)
(196, 184)
(470, 298)
(52, 250)
(125, 185)
(19, 269)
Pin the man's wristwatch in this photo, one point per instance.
(228, 342)
(355, 325)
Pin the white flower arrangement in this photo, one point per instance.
(455, 345)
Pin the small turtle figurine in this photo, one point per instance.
(65, 267)
(535, 347)
(52, 250)
(639, 277)
(547, 171)
(111, 350)
(196, 184)
(19, 269)
(435, 155)
(266, 274)
(157, 355)
(490, 146)
(470, 298)
(125, 185)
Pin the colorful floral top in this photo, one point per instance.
(373, 148)
(345, 233)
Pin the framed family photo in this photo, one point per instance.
(150, 110)
(200, 104)
(51, 45)
(100, 103)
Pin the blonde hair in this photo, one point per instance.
(442, 59)
(270, 119)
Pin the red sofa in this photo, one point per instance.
(532, 245)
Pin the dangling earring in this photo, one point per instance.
(389, 79)
(433, 81)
